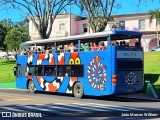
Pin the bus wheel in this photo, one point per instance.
(78, 90)
(31, 87)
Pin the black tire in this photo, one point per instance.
(78, 90)
(31, 87)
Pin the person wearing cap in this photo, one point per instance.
(85, 47)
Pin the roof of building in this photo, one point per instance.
(130, 15)
(122, 15)
(150, 32)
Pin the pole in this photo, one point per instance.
(70, 17)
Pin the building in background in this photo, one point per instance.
(64, 26)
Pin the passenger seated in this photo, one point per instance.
(38, 50)
(61, 49)
(117, 43)
(47, 50)
(124, 43)
(103, 46)
(43, 51)
(29, 50)
(137, 44)
(100, 47)
(76, 48)
(33, 51)
(94, 47)
(67, 48)
(24, 52)
(85, 47)
(71, 47)
(42, 72)
(51, 49)
(66, 74)
(121, 43)
(48, 73)
(81, 46)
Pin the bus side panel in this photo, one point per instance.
(18, 82)
(36, 83)
(21, 78)
(51, 83)
(96, 68)
(113, 64)
(64, 85)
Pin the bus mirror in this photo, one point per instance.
(14, 69)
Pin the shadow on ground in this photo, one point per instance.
(54, 111)
(151, 77)
(8, 62)
(107, 98)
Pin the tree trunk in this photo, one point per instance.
(7, 55)
(157, 34)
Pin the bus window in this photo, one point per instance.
(77, 71)
(23, 70)
(39, 71)
(50, 70)
(18, 71)
(31, 71)
(63, 70)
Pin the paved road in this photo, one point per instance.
(21, 103)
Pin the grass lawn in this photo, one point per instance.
(152, 67)
(6, 71)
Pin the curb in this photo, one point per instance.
(8, 85)
(141, 99)
(9, 88)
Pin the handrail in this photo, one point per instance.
(64, 50)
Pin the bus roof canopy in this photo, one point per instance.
(115, 35)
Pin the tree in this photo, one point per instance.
(24, 23)
(155, 14)
(7, 23)
(15, 37)
(98, 12)
(41, 12)
(3, 33)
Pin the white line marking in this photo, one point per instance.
(35, 108)
(83, 107)
(104, 108)
(11, 109)
(58, 107)
(16, 99)
(114, 106)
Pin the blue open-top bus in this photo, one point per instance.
(115, 69)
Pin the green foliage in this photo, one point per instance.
(15, 37)
(155, 14)
(3, 32)
(12, 34)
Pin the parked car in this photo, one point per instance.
(155, 49)
(10, 56)
(1, 56)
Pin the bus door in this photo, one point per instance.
(20, 76)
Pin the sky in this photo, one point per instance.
(126, 7)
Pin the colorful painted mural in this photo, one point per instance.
(96, 71)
